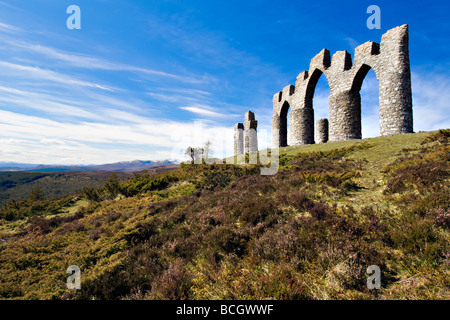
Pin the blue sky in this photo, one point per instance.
(140, 76)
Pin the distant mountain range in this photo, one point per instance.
(124, 166)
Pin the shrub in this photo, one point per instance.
(319, 210)
(441, 217)
(36, 194)
(173, 284)
(91, 194)
(44, 225)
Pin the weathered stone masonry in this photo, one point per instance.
(322, 130)
(245, 135)
(238, 139)
(250, 135)
(389, 60)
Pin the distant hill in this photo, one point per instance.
(11, 166)
(62, 181)
(132, 166)
(124, 166)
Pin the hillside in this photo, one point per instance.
(226, 232)
(18, 185)
(124, 166)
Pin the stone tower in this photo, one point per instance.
(390, 62)
(238, 139)
(250, 135)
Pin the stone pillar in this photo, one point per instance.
(276, 131)
(395, 83)
(238, 139)
(345, 115)
(301, 126)
(250, 135)
(322, 130)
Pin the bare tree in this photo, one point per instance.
(207, 150)
(194, 154)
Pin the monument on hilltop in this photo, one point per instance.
(390, 61)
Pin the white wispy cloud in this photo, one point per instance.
(179, 94)
(24, 137)
(170, 97)
(203, 111)
(90, 62)
(30, 72)
(352, 42)
(9, 28)
(42, 102)
(7, 5)
(431, 101)
(186, 91)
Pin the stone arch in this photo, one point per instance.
(307, 131)
(390, 61)
(311, 87)
(357, 83)
(282, 104)
(360, 75)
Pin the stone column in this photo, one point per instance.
(395, 83)
(301, 126)
(276, 131)
(322, 130)
(238, 139)
(250, 135)
(345, 115)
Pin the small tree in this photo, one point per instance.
(112, 186)
(207, 150)
(194, 154)
(190, 153)
(36, 194)
(108, 191)
(91, 194)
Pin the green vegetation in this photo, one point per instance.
(17, 186)
(226, 232)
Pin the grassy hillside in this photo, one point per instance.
(226, 232)
(16, 185)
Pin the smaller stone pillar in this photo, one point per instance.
(250, 135)
(238, 139)
(322, 130)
